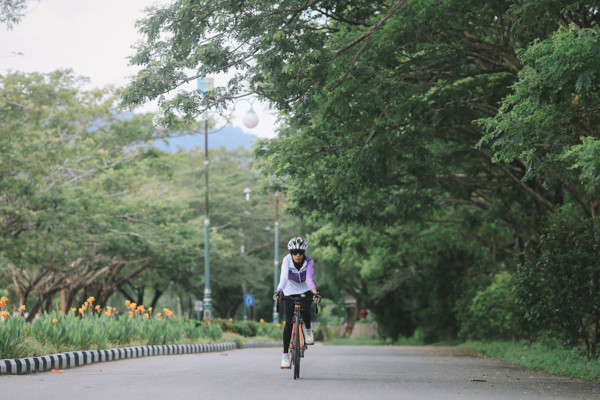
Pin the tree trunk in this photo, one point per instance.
(157, 294)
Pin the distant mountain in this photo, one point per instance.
(229, 137)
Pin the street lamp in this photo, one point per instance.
(276, 259)
(250, 121)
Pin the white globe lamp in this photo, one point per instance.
(250, 119)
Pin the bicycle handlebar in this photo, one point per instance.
(295, 297)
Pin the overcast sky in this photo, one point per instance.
(92, 37)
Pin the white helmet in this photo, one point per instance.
(297, 243)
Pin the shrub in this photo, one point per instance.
(494, 312)
(560, 283)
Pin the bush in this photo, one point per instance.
(12, 336)
(494, 312)
(90, 328)
(560, 283)
(253, 328)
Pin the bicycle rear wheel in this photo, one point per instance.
(297, 349)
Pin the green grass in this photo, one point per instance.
(359, 341)
(552, 359)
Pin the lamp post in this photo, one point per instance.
(250, 120)
(276, 259)
(206, 85)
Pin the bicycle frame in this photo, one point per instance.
(298, 330)
(297, 341)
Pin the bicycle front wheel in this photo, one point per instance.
(297, 349)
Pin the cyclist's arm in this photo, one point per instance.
(283, 276)
(310, 274)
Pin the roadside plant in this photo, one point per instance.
(92, 327)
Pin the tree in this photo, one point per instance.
(380, 100)
(11, 12)
(63, 152)
(550, 121)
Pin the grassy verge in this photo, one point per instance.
(552, 359)
(360, 341)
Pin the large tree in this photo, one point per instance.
(394, 120)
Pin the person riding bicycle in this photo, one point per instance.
(297, 277)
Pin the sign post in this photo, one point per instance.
(248, 303)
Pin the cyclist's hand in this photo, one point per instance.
(277, 296)
(316, 297)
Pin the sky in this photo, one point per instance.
(94, 38)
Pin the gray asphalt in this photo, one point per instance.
(328, 372)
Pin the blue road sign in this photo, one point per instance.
(248, 300)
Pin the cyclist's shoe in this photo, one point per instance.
(285, 361)
(310, 338)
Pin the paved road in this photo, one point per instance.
(328, 372)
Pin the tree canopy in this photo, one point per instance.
(443, 156)
(88, 207)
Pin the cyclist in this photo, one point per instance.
(297, 277)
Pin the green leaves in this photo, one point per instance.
(554, 102)
(422, 136)
(559, 286)
(12, 11)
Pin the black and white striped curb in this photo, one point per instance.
(78, 358)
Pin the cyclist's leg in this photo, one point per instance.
(306, 310)
(289, 321)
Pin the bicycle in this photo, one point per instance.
(297, 342)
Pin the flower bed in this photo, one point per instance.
(92, 328)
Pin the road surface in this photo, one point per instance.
(328, 372)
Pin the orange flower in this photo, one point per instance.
(131, 313)
(54, 320)
(576, 100)
(127, 303)
(22, 308)
(261, 320)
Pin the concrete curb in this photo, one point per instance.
(20, 366)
